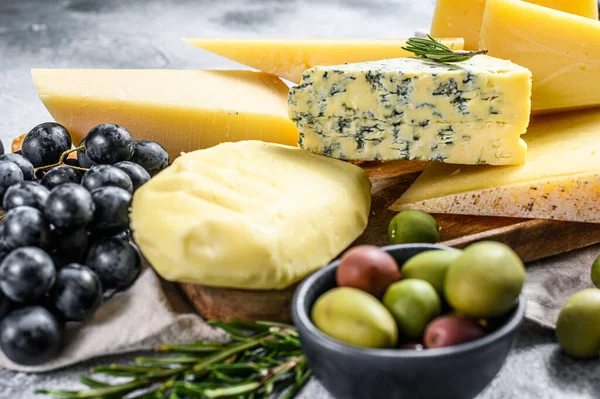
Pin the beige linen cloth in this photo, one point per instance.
(152, 312)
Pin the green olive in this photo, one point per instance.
(430, 266)
(485, 280)
(595, 273)
(413, 226)
(413, 303)
(578, 324)
(355, 317)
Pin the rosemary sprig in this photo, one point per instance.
(262, 360)
(434, 50)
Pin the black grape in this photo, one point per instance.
(45, 143)
(22, 162)
(26, 193)
(31, 336)
(60, 175)
(69, 207)
(150, 155)
(108, 144)
(106, 175)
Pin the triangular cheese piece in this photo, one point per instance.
(561, 51)
(182, 110)
(560, 180)
(462, 18)
(289, 58)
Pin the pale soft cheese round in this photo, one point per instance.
(250, 215)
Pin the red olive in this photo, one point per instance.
(369, 269)
(451, 330)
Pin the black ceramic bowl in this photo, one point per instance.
(350, 372)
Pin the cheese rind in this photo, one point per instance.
(249, 215)
(415, 109)
(181, 110)
(462, 18)
(560, 180)
(561, 50)
(289, 58)
(368, 139)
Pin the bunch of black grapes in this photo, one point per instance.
(65, 242)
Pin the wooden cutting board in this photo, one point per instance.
(532, 239)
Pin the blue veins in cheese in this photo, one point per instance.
(471, 112)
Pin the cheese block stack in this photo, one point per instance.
(559, 179)
(510, 133)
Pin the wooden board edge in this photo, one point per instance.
(536, 239)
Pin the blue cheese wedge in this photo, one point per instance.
(472, 112)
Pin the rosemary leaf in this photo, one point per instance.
(168, 360)
(261, 361)
(231, 390)
(92, 383)
(190, 348)
(298, 386)
(97, 392)
(233, 331)
(434, 50)
(119, 370)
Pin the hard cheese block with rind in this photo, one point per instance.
(469, 112)
(462, 18)
(181, 110)
(561, 50)
(289, 58)
(249, 215)
(560, 180)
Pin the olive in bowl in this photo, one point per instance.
(352, 372)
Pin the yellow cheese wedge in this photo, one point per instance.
(182, 110)
(584, 8)
(249, 215)
(561, 179)
(462, 18)
(561, 50)
(289, 58)
(456, 16)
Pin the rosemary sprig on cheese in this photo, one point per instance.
(263, 360)
(434, 50)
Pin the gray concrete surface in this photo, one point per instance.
(145, 34)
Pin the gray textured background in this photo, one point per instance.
(145, 34)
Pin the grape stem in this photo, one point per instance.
(61, 160)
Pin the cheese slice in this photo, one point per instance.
(249, 215)
(289, 58)
(413, 109)
(181, 110)
(561, 50)
(584, 8)
(462, 18)
(456, 16)
(560, 180)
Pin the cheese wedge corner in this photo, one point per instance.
(289, 58)
(560, 180)
(462, 18)
(561, 50)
